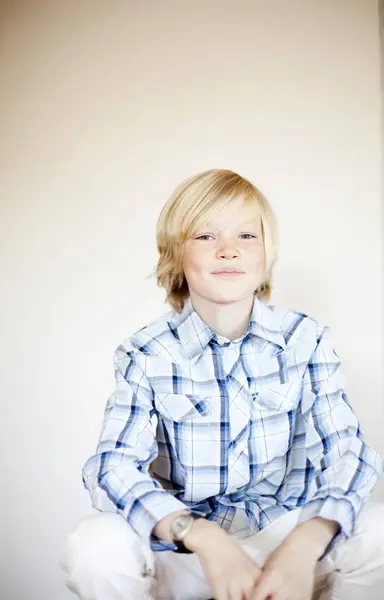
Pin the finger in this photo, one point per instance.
(234, 591)
(264, 589)
(241, 590)
(220, 593)
(249, 588)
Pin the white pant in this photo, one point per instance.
(105, 560)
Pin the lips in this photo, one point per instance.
(227, 273)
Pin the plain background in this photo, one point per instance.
(105, 107)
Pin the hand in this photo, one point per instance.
(230, 572)
(288, 573)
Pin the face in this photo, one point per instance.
(232, 240)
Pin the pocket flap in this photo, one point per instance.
(183, 406)
(279, 396)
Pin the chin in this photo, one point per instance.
(228, 296)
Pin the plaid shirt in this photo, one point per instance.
(260, 424)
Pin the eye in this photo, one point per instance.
(207, 235)
(252, 236)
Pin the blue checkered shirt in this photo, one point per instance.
(260, 424)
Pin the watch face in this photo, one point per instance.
(179, 526)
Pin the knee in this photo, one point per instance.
(98, 545)
(370, 528)
(366, 546)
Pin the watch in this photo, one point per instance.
(179, 528)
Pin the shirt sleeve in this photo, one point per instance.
(116, 476)
(341, 469)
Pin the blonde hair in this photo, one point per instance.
(199, 198)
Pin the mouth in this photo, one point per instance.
(226, 273)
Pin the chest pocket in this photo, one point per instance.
(193, 430)
(278, 397)
(272, 424)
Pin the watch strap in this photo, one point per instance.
(181, 548)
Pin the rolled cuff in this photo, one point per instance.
(335, 509)
(148, 510)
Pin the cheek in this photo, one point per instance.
(255, 260)
(194, 261)
(191, 266)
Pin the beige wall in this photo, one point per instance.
(105, 107)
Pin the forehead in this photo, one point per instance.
(233, 215)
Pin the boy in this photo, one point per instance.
(230, 463)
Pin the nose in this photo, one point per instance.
(228, 251)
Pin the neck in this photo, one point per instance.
(228, 319)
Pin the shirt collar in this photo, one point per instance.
(194, 334)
